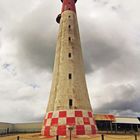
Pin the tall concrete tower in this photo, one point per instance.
(69, 105)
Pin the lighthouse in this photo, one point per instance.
(69, 109)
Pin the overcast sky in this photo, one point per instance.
(110, 36)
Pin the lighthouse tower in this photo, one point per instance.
(69, 106)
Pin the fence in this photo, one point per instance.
(98, 137)
(21, 136)
(117, 137)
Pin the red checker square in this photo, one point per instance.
(78, 114)
(62, 114)
(93, 129)
(47, 131)
(54, 121)
(71, 121)
(80, 130)
(50, 115)
(61, 130)
(86, 120)
(90, 114)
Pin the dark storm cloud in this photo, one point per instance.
(102, 47)
(125, 100)
(99, 54)
(36, 38)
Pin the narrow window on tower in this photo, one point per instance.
(70, 76)
(69, 55)
(69, 26)
(70, 103)
(69, 16)
(69, 38)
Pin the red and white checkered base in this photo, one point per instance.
(59, 123)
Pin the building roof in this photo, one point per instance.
(125, 120)
(104, 117)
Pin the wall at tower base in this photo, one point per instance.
(4, 127)
(20, 127)
(59, 122)
(27, 127)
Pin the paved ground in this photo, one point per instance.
(97, 137)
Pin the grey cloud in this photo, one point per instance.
(122, 103)
(126, 68)
(100, 54)
(3, 15)
(98, 50)
(36, 37)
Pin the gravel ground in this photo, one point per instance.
(37, 136)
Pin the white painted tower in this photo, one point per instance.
(69, 105)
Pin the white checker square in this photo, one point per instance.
(85, 113)
(71, 113)
(79, 121)
(62, 121)
(91, 120)
(53, 131)
(48, 122)
(88, 129)
(55, 114)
